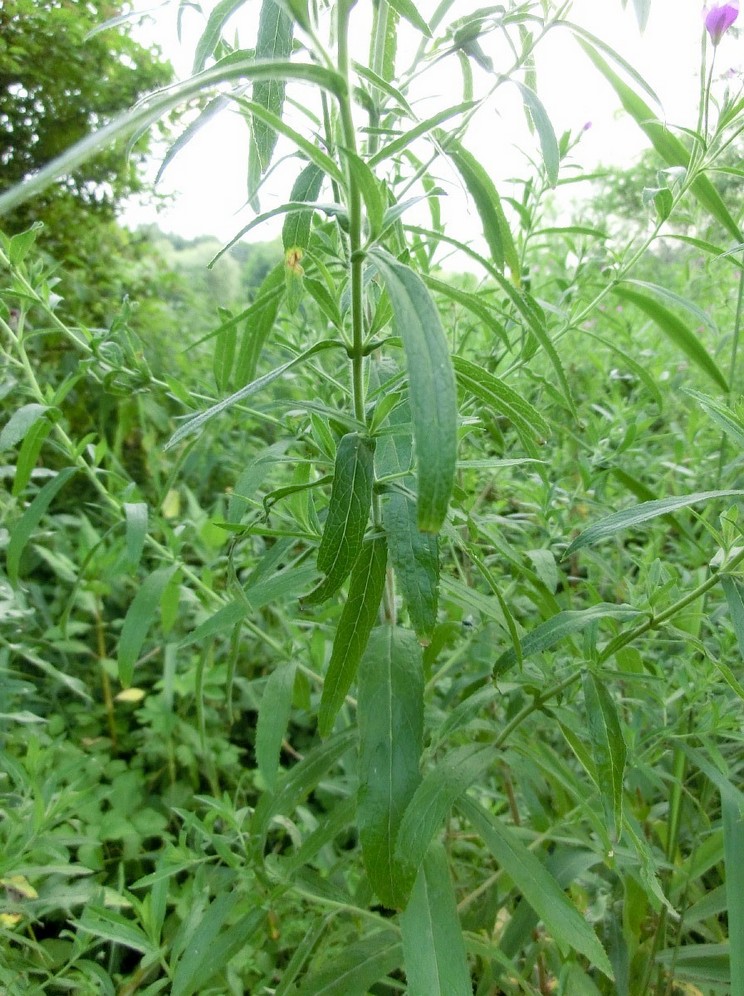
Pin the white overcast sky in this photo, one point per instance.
(208, 177)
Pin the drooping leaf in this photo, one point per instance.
(348, 514)
(22, 529)
(273, 716)
(354, 627)
(676, 330)
(545, 132)
(561, 918)
(488, 204)
(415, 558)
(390, 717)
(274, 41)
(356, 967)
(630, 517)
(432, 392)
(608, 747)
(433, 948)
(558, 627)
(296, 229)
(138, 620)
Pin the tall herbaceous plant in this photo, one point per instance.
(468, 810)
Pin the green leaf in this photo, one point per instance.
(488, 204)
(207, 950)
(433, 948)
(608, 747)
(669, 147)
(297, 782)
(391, 719)
(357, 619)
(472, 303)
(369, 187)
(21, 244)
(259, 321)
(29, 454)
(433, 799)
(415, 558)
(355, 968)
(21, 530)
(296, 230)
(274, 41)
(545, 132)
(197, 421)
(734, 592)
(733, 849)
(502, 400)
(138, 619)
(630, 517)
(19, 424)
(239, 66)
(729, 421)
(112, 926)
(211, 35)
(432, 391)
(561, 625)
(409, 10)
(676, 330)
(402, 142)
(561, 918)
(219, 623)
(224, 356)
(348, 514)
(135, 514)
(273, 717)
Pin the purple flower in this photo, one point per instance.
(719, 17)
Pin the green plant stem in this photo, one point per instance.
(356, 256)
(732, 371)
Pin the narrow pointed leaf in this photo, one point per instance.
(135, 514)
(415, 558)
(732, 423)
(354, 969)
(432, 801)
(259, 321)
(357, 619)
(391, 719)
(501, 399)
(211, 35)
(273, 717)
(19, 423)
(669, 147)
(561, 918)
(432, 391)
(222, 621)
(433, 948)
(488, 204)
(676, 331)
(409, 10)
(424, 127)
(196, 422)
(560, 626)
(733, 850)
(296, 230)
(635, 516)
(734, 592)
(22, 529)
(274, 41)
(139, 618)
(348, 514)
(608, 747)
(545, 132)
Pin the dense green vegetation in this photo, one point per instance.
(372, 618)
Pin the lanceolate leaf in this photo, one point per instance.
(669, 147)
(273, 716)
(296, 230)
(676, 330)
(415, 557)
(561, 918)
(274, 41)
(356, 968)
(259, 321)
(608, 747)
(348, 513)
(545, 132)
(488, 203)
(432, 801)
(196, 422)
(491, 390)
(20, 531)
(630, 517)
(357, 619)
(409, 10)
(432, 392)
(139, 618)
(391, 719)
(433, 948)
(564, 624)
(211, 34)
